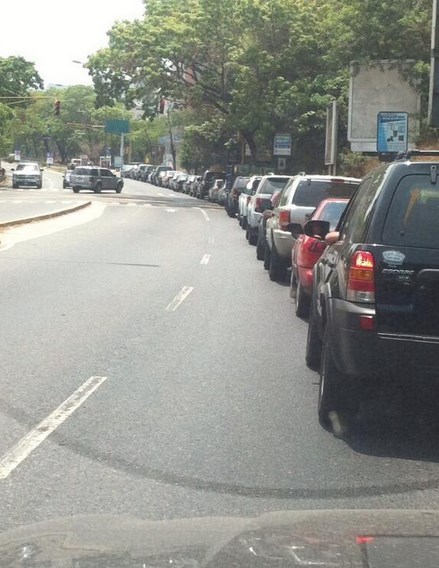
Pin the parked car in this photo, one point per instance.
(206, 181)
(300, 197)
(231, 205)
(27, 173)
(180, 181)
(374, 315)
(260, 200)
(213, 191)
(140, 172)
(244, 199)
(262, 227)
(187, 184)
(66, 179)
(158, 171)
(172, 181)
(165, 177)
(306, 252)
(95, 179)
(125, 170)
(222, 193)
(147, 173)
(194, 186)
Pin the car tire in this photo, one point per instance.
(267, 256)
(313, 352)
(276, 270)
(336, 395)
(75, 189)
(64, 185)
(119, 187)
(244, 222)
(39, 186)
(14, 185)
(252, 238)
(302, 302)
(98, 188)
(260, 250)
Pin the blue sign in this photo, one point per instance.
(392, 132)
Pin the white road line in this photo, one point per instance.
(206, 216)
(179, 298)
(171, 210)
(205, 259)
(211, 240)
(33, 439)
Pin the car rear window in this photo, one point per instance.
(81, 171)
(311, 192)
(269, 186)
(413, 215)
(332, 212)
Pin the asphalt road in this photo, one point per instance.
(149, 367)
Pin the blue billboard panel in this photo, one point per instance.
(392, 132)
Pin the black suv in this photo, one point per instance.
(374, 318)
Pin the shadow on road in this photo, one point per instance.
(402, 426)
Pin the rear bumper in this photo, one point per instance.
(305, 278)
(368, 354)
(283, 243)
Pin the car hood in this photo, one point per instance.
(338, 538)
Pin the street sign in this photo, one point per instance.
(282, 145)
(117, 126)
(392, 132)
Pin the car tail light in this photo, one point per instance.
(248, 198)
(361, 278)
(258, 204)
(316, 246)
(284, 219)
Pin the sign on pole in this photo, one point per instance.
(392, 132)
(282, 145)
(117, 126)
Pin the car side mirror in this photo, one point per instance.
(316, 228)
(295, 229)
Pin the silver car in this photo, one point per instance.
(95, 179)
(27, 173)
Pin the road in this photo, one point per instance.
(150, 368)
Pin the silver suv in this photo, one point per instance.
(95, 179)
(298, 199)
(27, 173)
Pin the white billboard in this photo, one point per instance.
(375, 88)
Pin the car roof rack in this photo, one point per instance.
(410, 153)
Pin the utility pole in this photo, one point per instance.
(433, 100)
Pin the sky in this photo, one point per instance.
(54, 33)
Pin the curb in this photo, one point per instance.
(45, 215)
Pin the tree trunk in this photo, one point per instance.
(249, 138)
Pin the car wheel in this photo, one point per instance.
(244, 222)
(119, 188)
(267, 256)
(313, 351)
(260, 250)
(293, 284)
(75, 189)
(276, 270)
(335, 394)
(64, 185)
(39, 186)
(302, 302)
(252, 238)
(98, 188)
(14, 185)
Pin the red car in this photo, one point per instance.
(307, 250)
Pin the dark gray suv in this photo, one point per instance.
(374, 317)
(95, 179)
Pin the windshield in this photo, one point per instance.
(178, 348)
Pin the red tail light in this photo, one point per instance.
(258, 204)
(361, 278)
(316, 246)
(284, 219)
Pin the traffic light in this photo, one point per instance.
(57, 107)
